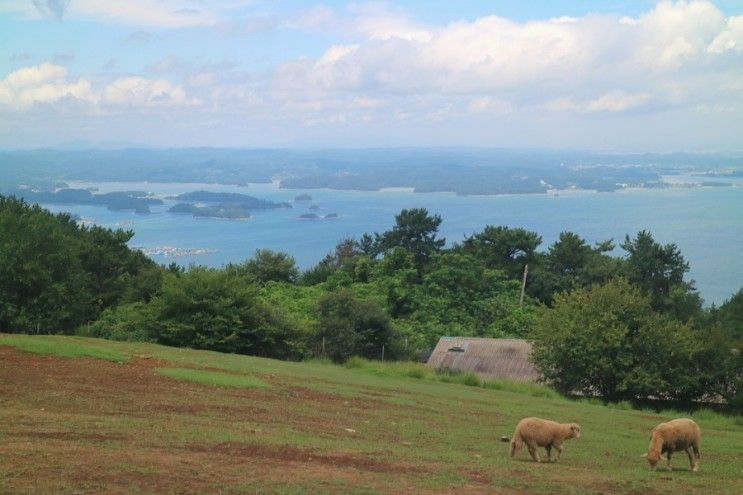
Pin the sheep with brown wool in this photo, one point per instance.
(536, 432)
(674, 436)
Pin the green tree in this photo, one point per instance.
(269, 266)
(461, 296)
(398, 278)
(42, 283)
(723, 337)
(504, 248)
(115, 272)
(607, 340)
(659, 271)
(415, 230)
(568, 264)
(354, 327)
(56, 275)
(210, 309)
(729, 316)
(369, 246)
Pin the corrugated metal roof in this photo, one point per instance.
(489, 358)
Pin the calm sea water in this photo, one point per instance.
(706, 223)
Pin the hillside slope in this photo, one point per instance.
(92, 416)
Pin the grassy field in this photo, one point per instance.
(91, 416)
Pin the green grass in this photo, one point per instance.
(213, 378)
(420, 371)
(401, 426)
(69, 347)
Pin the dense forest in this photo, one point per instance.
(622, 327)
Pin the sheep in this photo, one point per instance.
(535, 432)
(674, 436)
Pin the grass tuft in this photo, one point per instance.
(213, 378)
(526, 388)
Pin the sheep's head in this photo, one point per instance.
(574, 431)
(652, 457)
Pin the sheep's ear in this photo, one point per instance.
(644, 455)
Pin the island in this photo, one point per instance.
(221, 204)
(244, 200)
(309, 216)
(227, 210)
(139, 201)
(331, 216)
(303, 197)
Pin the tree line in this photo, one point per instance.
(622, 327)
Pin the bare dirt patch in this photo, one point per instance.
(103, 427)
(296, 454)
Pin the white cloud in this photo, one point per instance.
(141, 92)
(616, 101)
(48, 83)
(45, 83)
(731, 39)
(381, 66)
(595, 63)
(486, 104)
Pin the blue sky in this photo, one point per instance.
(613, 75)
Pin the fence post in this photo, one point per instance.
(382, 352)
(523, 285)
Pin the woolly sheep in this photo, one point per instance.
(536, 432)
(674, 436)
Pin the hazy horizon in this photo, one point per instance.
(608, 76)
(82, 145)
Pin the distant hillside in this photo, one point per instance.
(461, 170)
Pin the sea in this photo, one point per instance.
(706, 223)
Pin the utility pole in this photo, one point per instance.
(523, 284)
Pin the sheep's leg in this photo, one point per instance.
(549, 453)
(668, 456)
(695, 447)
(533, 452)
(559, 452)
(692, 465)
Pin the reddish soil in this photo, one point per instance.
(93, 426)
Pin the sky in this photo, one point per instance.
(596, 75)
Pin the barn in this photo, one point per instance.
(488, 358)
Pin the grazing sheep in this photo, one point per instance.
(535, 432)
(674, 436)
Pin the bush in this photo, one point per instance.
(608, 341)
(56, 275)
(353, 327)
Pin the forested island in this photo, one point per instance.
(460, 170)
(244, 200)
(226, 210)
(596, 321)
(222, 205)
(138, 201)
